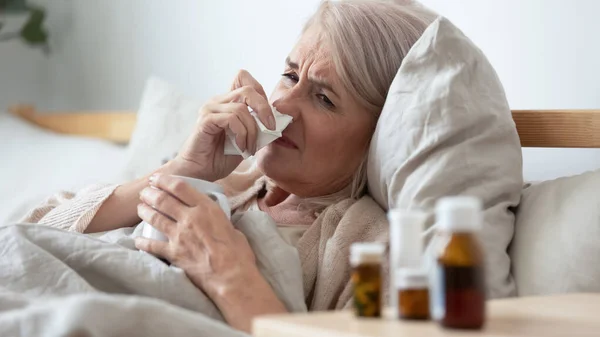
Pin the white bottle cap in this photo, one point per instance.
(411, 278)
(366, 252)
(460, 213)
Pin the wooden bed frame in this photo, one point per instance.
(536, 128)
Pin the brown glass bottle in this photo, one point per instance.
(459, 273)
(461, 268)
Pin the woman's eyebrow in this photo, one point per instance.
(323, 84)
(318, 82)
(291, 64)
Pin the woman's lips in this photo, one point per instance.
(285, 142)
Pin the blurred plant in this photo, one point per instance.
(32, 32)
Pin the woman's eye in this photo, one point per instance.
(326, 100)
(291, 76)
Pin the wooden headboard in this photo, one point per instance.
(115, 126)
(536, 128)
(558, 128)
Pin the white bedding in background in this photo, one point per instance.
(35, 163)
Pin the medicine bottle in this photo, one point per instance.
(366, 259)
(412, 286)
(458, 282)
(406, 244)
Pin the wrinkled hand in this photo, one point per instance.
(202, 155)
(202, 241)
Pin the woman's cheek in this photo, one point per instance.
(327, 141)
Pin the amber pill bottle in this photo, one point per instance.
(413, 294)
(458, 281)
(366, 259)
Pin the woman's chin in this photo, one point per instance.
(274, 165)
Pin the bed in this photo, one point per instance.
(549, 244)
(96, 143)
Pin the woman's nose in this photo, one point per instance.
(288, 106)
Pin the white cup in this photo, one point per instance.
(212, 190)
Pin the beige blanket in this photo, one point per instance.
(59, 283)
(323, 249)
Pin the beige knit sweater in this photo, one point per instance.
(323, 249)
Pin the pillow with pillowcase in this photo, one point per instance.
(446, 129)
(165, 119)
(556, 247)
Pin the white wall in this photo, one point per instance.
(547, 55)
(22, 70)
(545, 52)
(105, 50)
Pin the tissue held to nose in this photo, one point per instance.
(264, 137)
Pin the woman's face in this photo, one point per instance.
(324, 145)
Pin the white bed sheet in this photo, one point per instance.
(35, 163)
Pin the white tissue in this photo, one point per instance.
(265, 136)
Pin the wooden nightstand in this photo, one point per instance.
(560, 315)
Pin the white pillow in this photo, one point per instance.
(446, 129)
(38, 163)
(165, 120)
(556, 248)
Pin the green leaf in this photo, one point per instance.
(13, 6)
(33, 32)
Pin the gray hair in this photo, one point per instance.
(368, 40)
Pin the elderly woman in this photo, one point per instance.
(334, 85)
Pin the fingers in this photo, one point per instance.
(163, 202)
(251, 130)
(243, 79)
(156, 219)
(176, 187)
(154, 247)
(188, 196)
(235, 117)
(259, 104)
